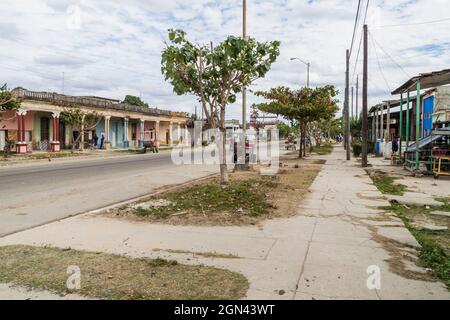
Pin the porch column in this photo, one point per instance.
(126, 138)
(21, 145)
(170, 134)
(107, 142)
(418, 107)
(388, 122)
(401, 125)
(55, 145)
(141, 133)
(376, 124)
(373, 136)
(157, 131)
(382, 123)
(408, 103)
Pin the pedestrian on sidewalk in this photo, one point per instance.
(95, 140)
(102, 141)
(395, 146)
(154, 146)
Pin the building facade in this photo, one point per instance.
(37, 124)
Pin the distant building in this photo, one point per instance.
(37, 125)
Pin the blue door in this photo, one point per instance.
(428, 109)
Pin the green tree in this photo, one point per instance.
(305, 106)
(216, 74)
(7, 100)
(286, 130)
(81, 120)
(135, 101)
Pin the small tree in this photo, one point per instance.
(135, 101)
(7, 100)
(304, 106)
(216, 74)
(81, 120)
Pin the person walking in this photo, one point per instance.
(102, 141)
(95, 141)
(395, 146)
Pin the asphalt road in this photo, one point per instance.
(33, 195)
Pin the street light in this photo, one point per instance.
(307, 65)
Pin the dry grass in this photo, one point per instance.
(116, 277)
(250, 198)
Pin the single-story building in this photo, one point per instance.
(37, 124)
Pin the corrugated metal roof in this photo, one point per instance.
(427, 81)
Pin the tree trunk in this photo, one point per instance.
(224, 179)
(75, 143)
(301, 141)
(304, 139)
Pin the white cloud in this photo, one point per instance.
(117, 49)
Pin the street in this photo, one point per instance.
(36, 194)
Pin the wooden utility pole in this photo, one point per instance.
(244, 90)
(365, 133)
(347, 113)
(352, 115)
(357, 97)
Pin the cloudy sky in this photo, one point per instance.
(112, 48)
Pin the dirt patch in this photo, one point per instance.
(200, 254)
(249, 199)
(117, 277)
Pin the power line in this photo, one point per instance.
(379, 64)
(354, 28)
(393, 60)
(360, 42)
(412, 24)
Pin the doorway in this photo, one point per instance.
(45, 129)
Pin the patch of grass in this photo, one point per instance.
(324, 149)
(387, 186)
(249, 199)
(117, 277)
(244, 196)
(435, 252)
(44, 156)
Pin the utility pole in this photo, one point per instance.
(357, 97)
(352, 115)
(347, 113)
(365, 133)
(244, 90)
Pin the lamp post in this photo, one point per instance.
(308, 65)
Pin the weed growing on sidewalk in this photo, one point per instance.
(324, 149)
(116, 277)
(435, 251)
(387, 186)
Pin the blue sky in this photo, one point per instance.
(112, 48)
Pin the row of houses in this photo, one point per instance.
(433, 98)
(419, 120)
(37, 124)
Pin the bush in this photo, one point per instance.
(357, 149)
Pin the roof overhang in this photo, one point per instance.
(427, 81)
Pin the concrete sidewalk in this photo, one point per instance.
(322, 253)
